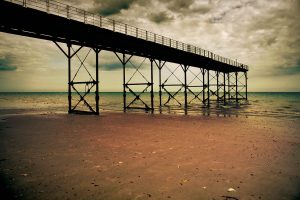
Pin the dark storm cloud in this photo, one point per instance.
(188, 7)
(111, 7)
(160, 17)
(288, 70)
(115, 66)
(6, 63)
(179, 5)
(112, 66)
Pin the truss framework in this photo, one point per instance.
(73, 85)
(237, 87)
(220, 87)
(128, 84)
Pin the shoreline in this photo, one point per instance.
(42, 111)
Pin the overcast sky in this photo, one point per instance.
(263, 34)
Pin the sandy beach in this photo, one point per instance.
(144, 156)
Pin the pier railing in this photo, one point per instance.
(70, 12)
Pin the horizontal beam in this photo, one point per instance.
(138, 83)
(83, 82)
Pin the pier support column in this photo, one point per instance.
(82, 105)
(69, 56)
(124, 81)
(236, 87)
(218, 97)
(224, 88)
(228, 86)
(160, 65)
(208, 90)
(124, 61)
(185, 68)
(204, 86)
(246, 85)
(152, 93)
(134, 88)
(160, 92)
(97, 51)
(167, 86)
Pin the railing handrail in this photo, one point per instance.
(70, 12)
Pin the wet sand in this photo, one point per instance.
(144, 156)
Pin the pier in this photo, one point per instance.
(220, 80)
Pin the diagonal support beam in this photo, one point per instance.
(88, 84)
(128, 85)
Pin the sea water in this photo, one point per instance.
(270, 104)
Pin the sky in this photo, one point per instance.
(264, 34)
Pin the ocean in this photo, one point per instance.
(268, 104)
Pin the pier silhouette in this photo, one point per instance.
(222, 79)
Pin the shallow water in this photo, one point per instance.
(285, 105)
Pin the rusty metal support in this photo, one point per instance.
(224, 87)
(160, 92)
(208, 90)
(124, 82)
(165, 86)
(218, 97)
(73, 85)
(97, 51)
(128, 85)
(124, 61)
(185, 68)
(159, 65)
(228, 80)
(204, 86)
(246, 81)
(236, 87)
(152, 93)
(69, 77)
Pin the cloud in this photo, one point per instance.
(179, 5)
(6, 63)
(291, 70)
(222, 10)
(160, 17)
(264, 34)
(112, 66)
(111, 7)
